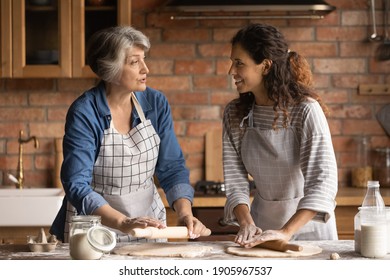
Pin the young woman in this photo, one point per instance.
(276, 131)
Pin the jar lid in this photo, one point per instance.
(102, 239)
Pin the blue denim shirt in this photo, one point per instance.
(86, 121)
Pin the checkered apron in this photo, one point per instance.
(123, 173)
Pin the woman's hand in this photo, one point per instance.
(195, 227)
(139, 222)
(267, 235)
(246, 233)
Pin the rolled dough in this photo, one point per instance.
(308, 250)
(163, 250)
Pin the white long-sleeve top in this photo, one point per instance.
(316, 157)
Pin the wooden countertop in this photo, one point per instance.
(346, 196)
(345, 248)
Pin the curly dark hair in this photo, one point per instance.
(289, 81)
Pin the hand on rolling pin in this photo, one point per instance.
(195, 227)
(140, 222)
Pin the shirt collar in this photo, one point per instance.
(102, 103)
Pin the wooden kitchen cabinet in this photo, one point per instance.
(5, 39)
(48, 41)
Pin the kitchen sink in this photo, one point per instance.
(29, 206)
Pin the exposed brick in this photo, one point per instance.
(335, 126)
(194, 98)
(45, 130)
(223, 34)
(223, 97)
(13, 98)
(169, 83)
(194, 67)
(57, 114)
(146, 5)
(379, 67)
(341, 34)
(355, 18)
(11, 129)
(351, 49)
(184, 35)
(192, 145)
(180, 128)
(214, 50)
(199, 129)
(368, 127)
(339, 65)
(189, 61)
(52, 98)
(160, 66)
(172, 50)
(76, 85)
(22, 114)
(196, 113)
(163, 20)
(353, 81)
(29, 84)
(211, 82)
(223, 66)
(315, 49)
(294, 34)
(335, 96)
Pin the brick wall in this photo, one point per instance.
(188, 61)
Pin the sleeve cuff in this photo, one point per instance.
(91, 202)
(180, 191)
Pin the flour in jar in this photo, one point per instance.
(80, 249)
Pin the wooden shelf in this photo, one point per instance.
(374, 89)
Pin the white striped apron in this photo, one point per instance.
(123, 173)
(272, 159)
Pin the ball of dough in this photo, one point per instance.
(334, 256)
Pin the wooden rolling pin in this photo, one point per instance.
(168, 232)
(279, 245)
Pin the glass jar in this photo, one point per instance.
(88, 239)
(357, 231)
(363, 172)
(382, 167)
(387, 210)
(373, 234)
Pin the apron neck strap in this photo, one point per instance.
(249, 117)
(138, 107)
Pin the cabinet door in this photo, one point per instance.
(41, 39)
(5, 39)
(86, 20)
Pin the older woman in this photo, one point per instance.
(118, 135)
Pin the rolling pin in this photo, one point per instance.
(279, 245)
(168, 232)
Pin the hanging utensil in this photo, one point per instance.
(383, 116)
(383, 51)
(374, 36)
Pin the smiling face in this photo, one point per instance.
(134, 70)
(248, 75)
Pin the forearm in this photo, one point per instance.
(182, 207)
(243, 216)
(298, 220)
(110, 217)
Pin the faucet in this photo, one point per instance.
(20, 173)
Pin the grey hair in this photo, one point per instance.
(106, 50)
